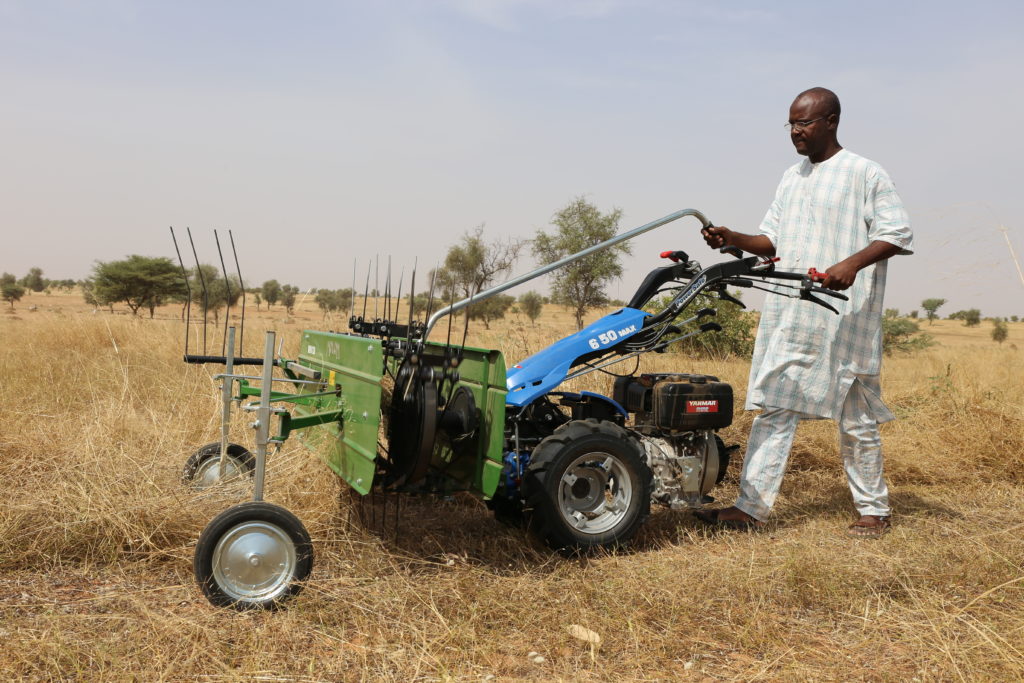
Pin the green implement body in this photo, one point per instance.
(357, 390)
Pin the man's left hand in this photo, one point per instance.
(840, 276)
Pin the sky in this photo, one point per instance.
(328, 134)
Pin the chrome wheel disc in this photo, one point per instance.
(594, 493)
(208, 472)
(254, 562)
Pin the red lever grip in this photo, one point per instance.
(673, 255)
(816, 276)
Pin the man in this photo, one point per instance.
(839, 210)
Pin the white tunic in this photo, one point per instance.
(807, 358)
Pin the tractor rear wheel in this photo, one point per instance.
(252, 556)
(588, 486)
(202, 470)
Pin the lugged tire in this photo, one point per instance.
(563, 486)
(252, 556)
(197, 473)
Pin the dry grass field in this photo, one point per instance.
(97, 534)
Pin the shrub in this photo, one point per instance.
(903, 335)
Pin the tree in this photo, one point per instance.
(137, 281)
(34, 280)
(972, 317)
(10, 290)
(1000, 331)
(473, 264)
(333, 300)
(581, 284)
(271, 290)
(89, 293)
(532, 304)
(930, 306)
(288, 294)
(1014, 318)
(491, 308)
(219, 293)
(892, 313)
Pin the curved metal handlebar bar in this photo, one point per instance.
(543, 270)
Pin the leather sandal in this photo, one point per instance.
(876, 528)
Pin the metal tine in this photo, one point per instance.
(465, 329)
(398, 296)
(227, 289)
(376, 285)
(188, 290)
(448, 339)
(241, 283)
(202, 281)
(408, 333)
(387, 294)
(366, 291)
(430, 296)
(412, 303)
(352, 306)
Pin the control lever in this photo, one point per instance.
(725, 296)
(676, 256)
(806, 295)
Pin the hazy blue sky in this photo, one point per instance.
(322, 132)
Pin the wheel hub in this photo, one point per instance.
(594, 494)
(586, 488)
(208, 472)
(254, 561)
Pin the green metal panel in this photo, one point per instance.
(349, 446)
(355, 364)
(482, 371)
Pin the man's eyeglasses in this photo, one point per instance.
(800, 125)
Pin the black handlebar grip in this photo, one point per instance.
(222, 360)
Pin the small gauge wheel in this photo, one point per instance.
(252, 556)
(202, 470)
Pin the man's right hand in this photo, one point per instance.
(717, 236)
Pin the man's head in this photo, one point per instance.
(814, 123)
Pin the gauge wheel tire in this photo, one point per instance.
(200, 469)
(588, 486)
(252, 556)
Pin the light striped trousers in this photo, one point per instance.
(860, 446)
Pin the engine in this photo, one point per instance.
(676, 418)
(684, 467)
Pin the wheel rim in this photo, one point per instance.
(208, 472)
(595, 493)
(254, 562)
